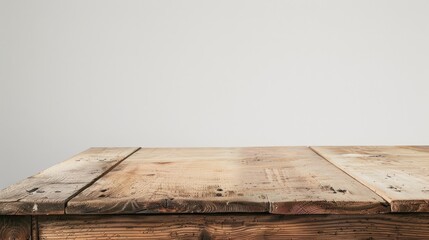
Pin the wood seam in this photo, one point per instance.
(96, 179)
(319, 154)
(34, 228)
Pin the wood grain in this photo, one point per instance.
(236, 226)
(15, 227)
(48, 191)
(282, 180)
(399, 174)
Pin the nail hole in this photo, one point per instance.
(32, 190)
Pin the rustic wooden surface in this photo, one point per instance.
(398, 174)
(15, 227)
(235, 226)
(282, 180)
(48, 191)
(332, 192)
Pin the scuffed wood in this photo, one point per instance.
(48, 191)
(282, 180)
(399, 174)
(235, 226)
(15, 227)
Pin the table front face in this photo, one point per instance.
(236, 226)
(216, 226)
(279, 180)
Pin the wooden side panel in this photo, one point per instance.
(15, 227)
(283, 180)
(48, 191)
(263, 226)
(398, 174)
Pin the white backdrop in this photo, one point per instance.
(76, 74)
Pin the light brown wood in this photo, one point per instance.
(48, 191)
(398, 174)
(15, 227)
(320, 193)
(235, 226)
(282, 180)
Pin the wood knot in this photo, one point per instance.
(205, 235)
(14, 228)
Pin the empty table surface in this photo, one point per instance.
(278, 180)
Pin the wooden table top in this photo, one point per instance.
(278, 180)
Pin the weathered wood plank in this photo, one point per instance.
(15, 227)
(399, 174)
(283, 180)
(235, 226)
(48, 191)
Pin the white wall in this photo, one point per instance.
(76, 74)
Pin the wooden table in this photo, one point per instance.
(372, 192)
